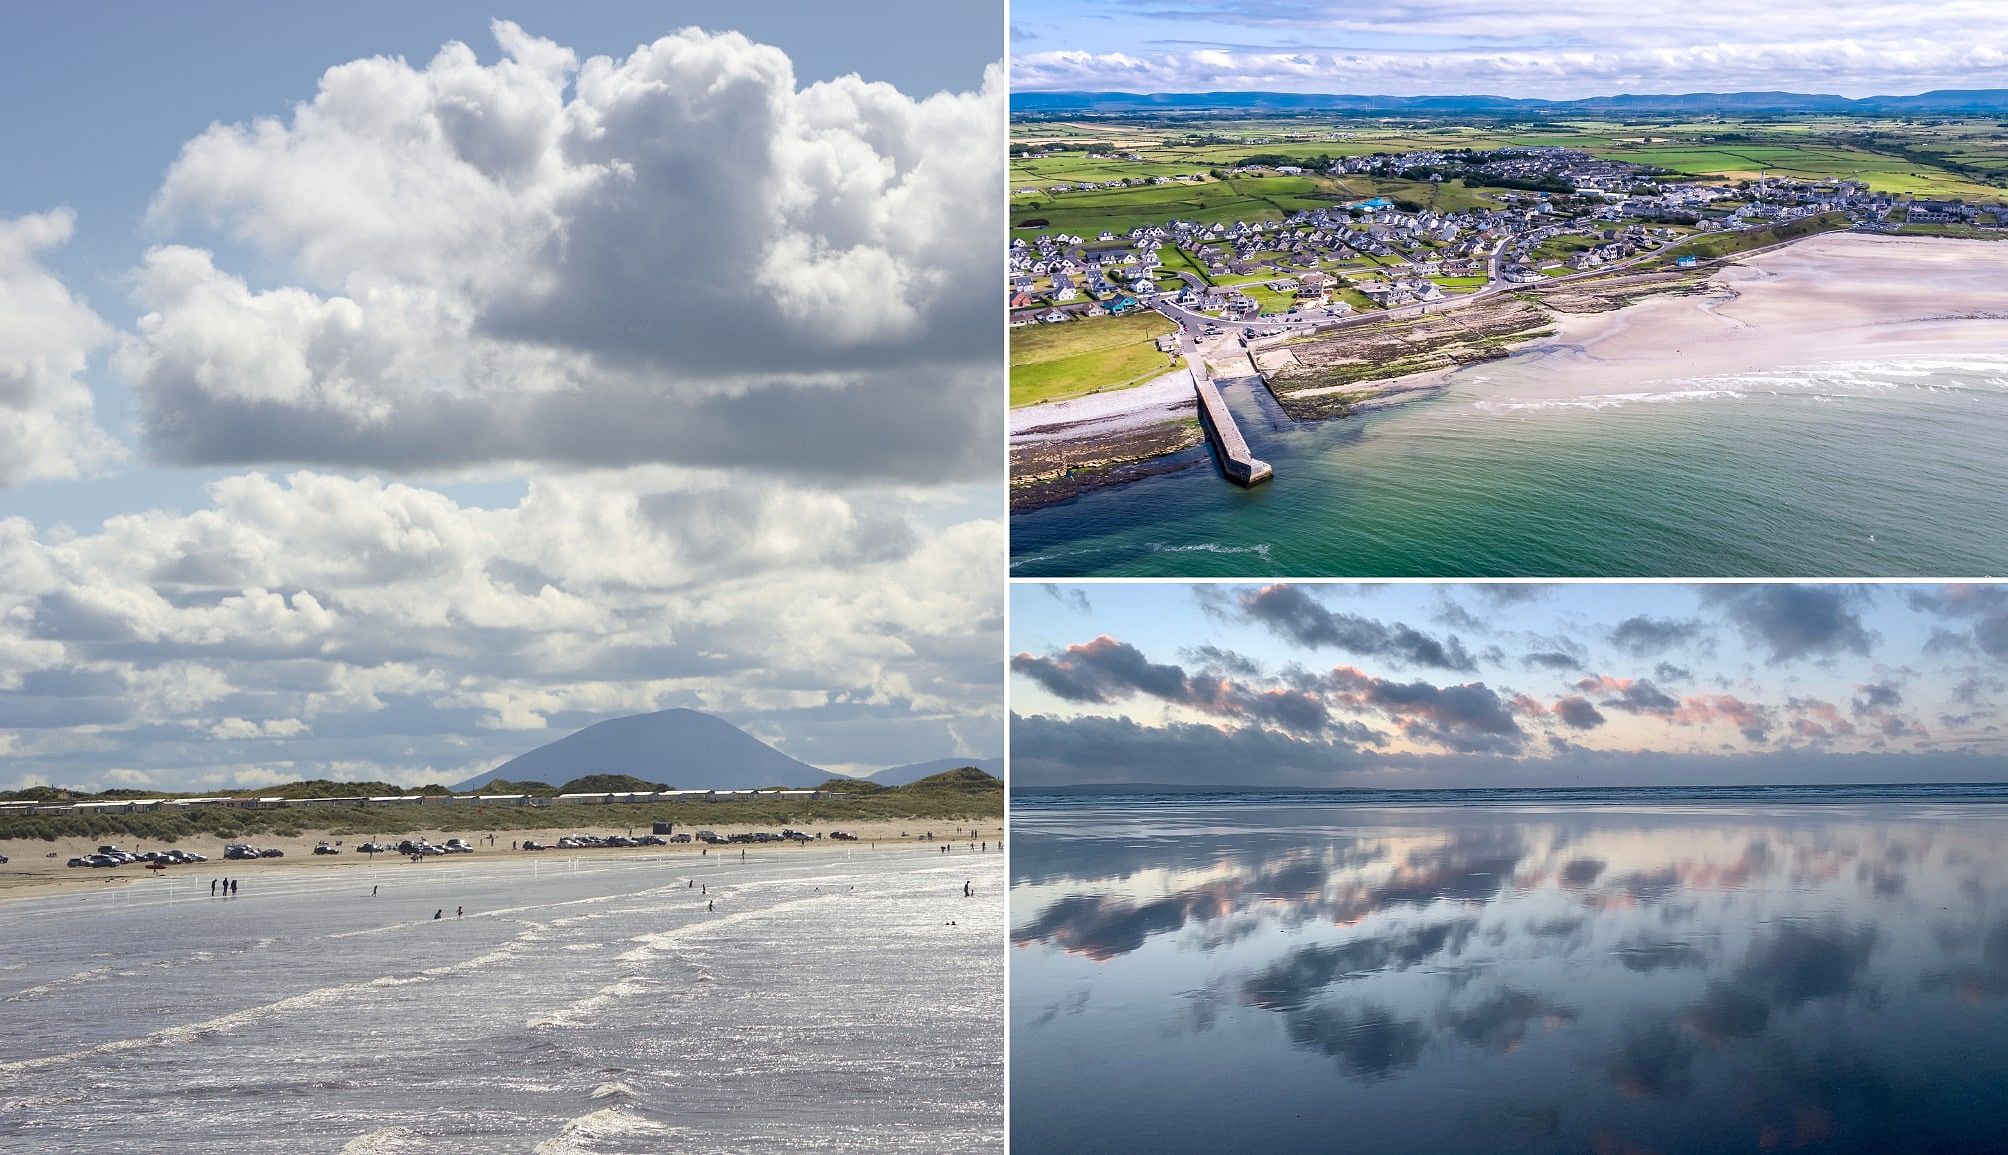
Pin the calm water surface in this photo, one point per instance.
(589, 1006)
(1619, 977)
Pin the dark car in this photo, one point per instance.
(324, 848)
(271, 854)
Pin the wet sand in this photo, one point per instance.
(1825, 300)
(37, 869)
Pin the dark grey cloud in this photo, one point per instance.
(1292, 613)
(1046, 750)
(1551, 660)
(1668, 672)
(1983, 607)
(1103, 670)
(1789, 622)
(1876, 696)
(1469, 717)
(1644, 635)
(1578, 713)
(1638, 696)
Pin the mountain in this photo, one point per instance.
(901, 775)
(685, 748)
(1937, 102)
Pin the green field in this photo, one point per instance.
(1966, 158)
(1055, 362)
(1712, 245)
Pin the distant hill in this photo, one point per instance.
(687, 749)
(901, 775)
(1937, 102)
(965, 780)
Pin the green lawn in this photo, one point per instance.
(1073, 359)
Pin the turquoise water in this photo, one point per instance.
(1884, 469)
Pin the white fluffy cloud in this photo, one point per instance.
(319, 625)
(1445, 47)
(47, 425)
(674, 257)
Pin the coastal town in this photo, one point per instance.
(1556, 211)
(1150, 284)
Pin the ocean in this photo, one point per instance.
(1849, 468)
(583, 1004)
(1604, 972)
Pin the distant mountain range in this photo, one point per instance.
(689, 750)
(1937, 102)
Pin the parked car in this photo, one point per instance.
(679, 838)
(324, 848)
(271, 854)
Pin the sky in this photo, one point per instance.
(385, 392)
(1417, 686)
(1518, 48)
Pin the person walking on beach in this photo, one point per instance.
(966, 892)
(459, 912)
(234, 884)
(212, 888)
(710, 907)
(373, 892)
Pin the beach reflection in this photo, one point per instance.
(1604, 979)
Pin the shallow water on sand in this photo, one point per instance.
(1696, 977)
(582, 1005)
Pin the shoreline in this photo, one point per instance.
(1825, 298)
(37, 869)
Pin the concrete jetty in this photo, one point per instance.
(1241, 466)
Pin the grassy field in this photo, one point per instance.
(955, 794)
(1933, 157)
(1055, 362)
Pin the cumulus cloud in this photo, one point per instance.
(678, 256)
(48, 424)
(325, 625)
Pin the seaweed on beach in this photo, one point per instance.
(1050, 471)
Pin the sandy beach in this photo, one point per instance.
(1159, 399)
(1823, 301)
(37, 868)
